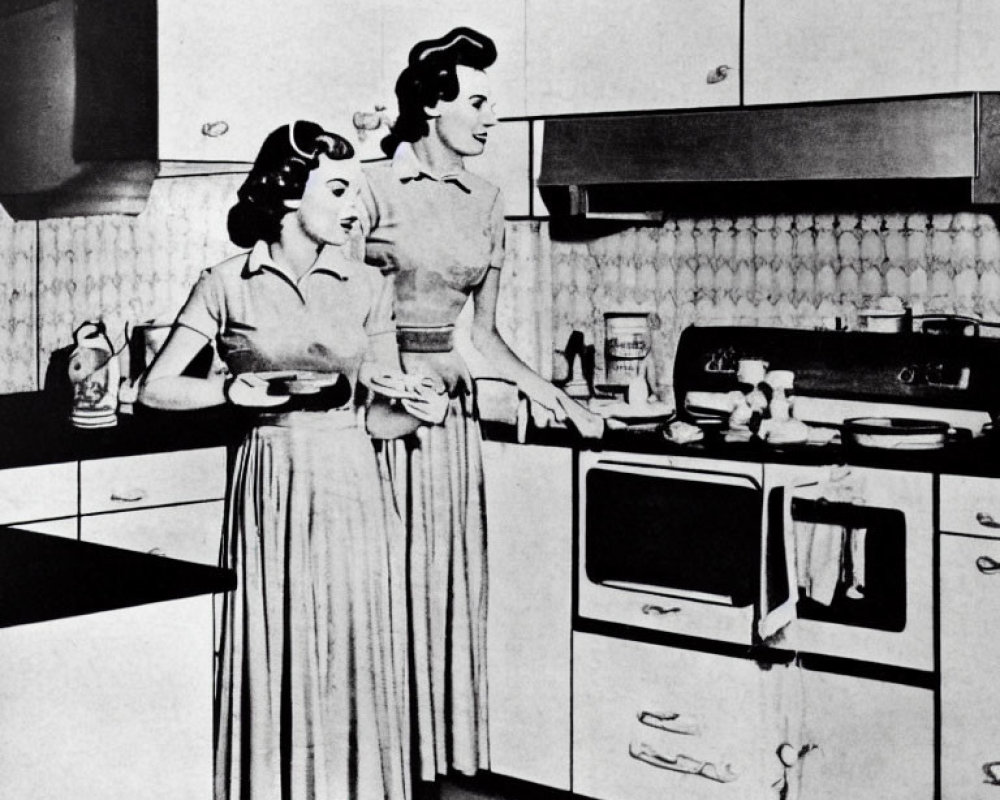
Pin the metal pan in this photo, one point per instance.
(895, 433)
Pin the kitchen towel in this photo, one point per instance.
(819, 559)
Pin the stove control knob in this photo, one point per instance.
(908, 375)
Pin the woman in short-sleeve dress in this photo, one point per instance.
(437, 231)
(312, 686)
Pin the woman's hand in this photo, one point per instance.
(564, 409)
(448, 370)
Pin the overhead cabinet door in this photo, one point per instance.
(849, 49)
(588, 56)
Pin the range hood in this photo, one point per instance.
(78, 93)
(942, 149)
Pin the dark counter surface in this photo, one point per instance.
(975, 456)
(36, 430)
(50, 577)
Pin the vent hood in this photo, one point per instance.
(922, 150)
(78, 89)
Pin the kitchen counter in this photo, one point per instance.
(51, 577)
(37, 431)
(977, 456)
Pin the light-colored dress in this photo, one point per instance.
(435, 237)
(313, 701)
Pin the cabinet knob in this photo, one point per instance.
(992, 771)
(718, 74)
(987, 565)
(986, 520)
(214, 130)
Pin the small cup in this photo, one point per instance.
(751, 370)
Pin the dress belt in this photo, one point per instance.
(425, 338)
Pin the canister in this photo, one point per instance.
(627, 343)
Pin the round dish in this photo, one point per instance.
(298, 382)
(895, 433)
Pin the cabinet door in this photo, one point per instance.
(506, 163)
(234, 70)
(871, 739)
(529, 510)
(406, 23)
(153, 479)
(191, 532)
(42, 492)
(970, 662)
(652, 722)
(116, 705)
(585, 56)
(846, 49)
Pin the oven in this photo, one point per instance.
(817, 559)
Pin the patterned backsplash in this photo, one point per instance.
(802, 270)
(798, 270)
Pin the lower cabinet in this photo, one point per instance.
(190, 532)
(970, 663)
(529, 506)
(109, 706)
(866, 739)
(653, 722)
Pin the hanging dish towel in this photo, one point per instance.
(819, 559)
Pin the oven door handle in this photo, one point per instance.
(653, 610)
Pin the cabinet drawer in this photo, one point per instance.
(970, 505)
(156, 479)
(32, 493)
(638, 708)
(190, 532)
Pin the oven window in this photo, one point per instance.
(669, 533)
(856, 574)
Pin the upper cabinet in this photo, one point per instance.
(853, 49)
(586, 56)
(233, 70)
(404, 23)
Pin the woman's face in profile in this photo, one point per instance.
(463, 123)
(328, 207)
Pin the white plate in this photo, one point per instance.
(399, 386)
(301, 381)
(646, 412)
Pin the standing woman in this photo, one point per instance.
(312, 687)
(438, 232)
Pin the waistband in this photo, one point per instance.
(425, 338)
(341, 418)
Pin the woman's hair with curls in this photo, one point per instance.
(280, 173)
(430, 76)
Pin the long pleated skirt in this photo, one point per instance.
(440, 472)
(313, 700)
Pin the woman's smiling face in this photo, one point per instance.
(328, 208)
(463, 123)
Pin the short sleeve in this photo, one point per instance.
(202, 312)
(380, 324)
(498, 232)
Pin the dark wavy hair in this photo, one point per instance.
(430, 76)
(280, 173)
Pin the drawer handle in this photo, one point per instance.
(673, 723)
(987, 565)
(681, 763)
(156, 551)
(658, 611)
(986, 520)
(992, 771)
(128, 495)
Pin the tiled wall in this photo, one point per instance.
(794, 270)
(58, 273)
(798, 270)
